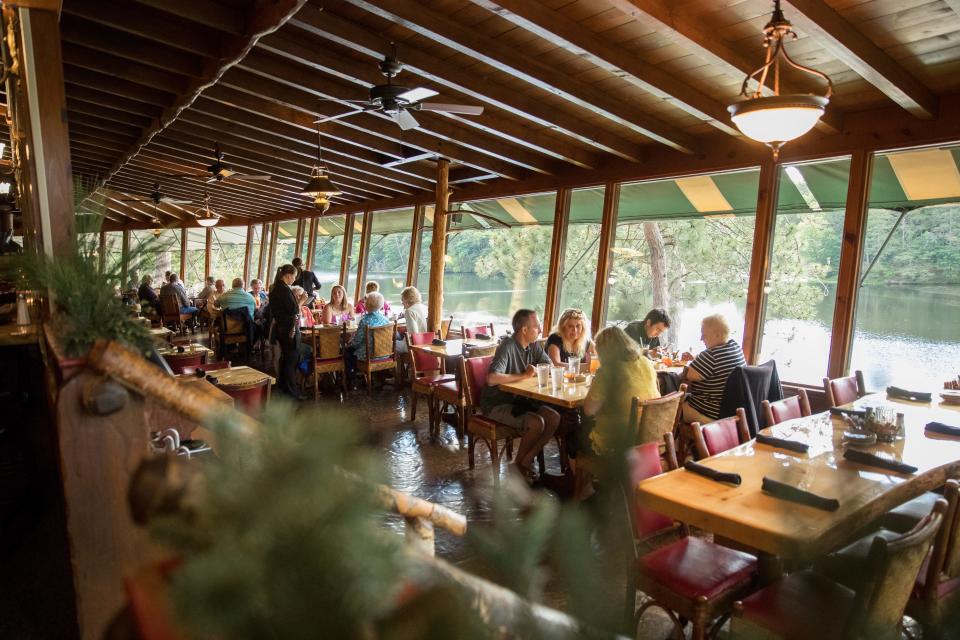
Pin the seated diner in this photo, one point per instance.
(370, 287)
(237, 298)
(373, 317)
(570, 338)
(707, 374)
(338, 310)
(647, 332)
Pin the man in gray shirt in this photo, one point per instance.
(515, 360)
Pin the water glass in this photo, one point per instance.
(573, 365)
(543, 375)
(556, 377)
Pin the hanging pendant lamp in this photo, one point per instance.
(209, 218)
(777, 119)
(320, 187)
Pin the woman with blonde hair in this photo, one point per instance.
(371, 287)
(414, 311)
(570, 338)
(339, 309)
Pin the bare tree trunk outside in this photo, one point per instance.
(658, 271)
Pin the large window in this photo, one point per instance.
(421, 279)
(327, 252)
(684, 245)
(196, 254)
(351, 279)
(801, 286)
(286, 244)
(389, 251)
(498, 255)
(907, 330)
(154, 253)
(113, 249)
(253, 264)
(228, 248)
(579, 277)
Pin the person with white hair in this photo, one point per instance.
(373, 317)
(414, 311)
(707, 374)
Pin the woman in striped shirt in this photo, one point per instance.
(707, 374)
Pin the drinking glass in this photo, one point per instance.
(556, 377)
(543, 375)
(573, 365)
(594, 364)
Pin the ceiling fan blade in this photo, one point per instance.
(185, 175)
(243, 176)
(416, 95)
(465, 109)
(212, 179)
(167, 200)
(342, 100)
(406, 121)
(136, 200)
(338, 116)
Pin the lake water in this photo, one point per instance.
(905, 335)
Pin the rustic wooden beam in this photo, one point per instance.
(75, 105)
(845, 42)
(124, 258)
(851, 255)
(347, 249)
(311, 241)
(247, 251)
(261, 254)
(102, 252)
(298, 241)
(336, 29)
(183, 251)
(207, 252)
(553, 26)
(438, 246)
(116, 86)
(209, 14)
(271, 258)
(263, 19)
(608, 231)
(764, 225)
(125, 130)
(136, 72)
(111, 101)
(467, 41)
(362, 258)
(413, 260)
(558, 250)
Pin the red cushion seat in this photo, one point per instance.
(444, 378)
(693, 567)
(801, 606)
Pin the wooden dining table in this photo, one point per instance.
(566, 396)
(795, 531)
(161, 335)
(452, 348)
(240, 376)
(188, 349)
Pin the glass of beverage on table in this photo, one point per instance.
(556, 377)
(543, 375)
(573, 369)
(594, 364)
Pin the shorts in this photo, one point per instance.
(504, 413)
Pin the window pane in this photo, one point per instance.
(907, 330)
(154, 253)
(389, 251)
(579, 277)
(801, 287)
(421, 279)
(286, 244)
(196, 250)
(253, 268)
(492, 270)
(684, 245)
(354, 254)
(229, 246)
(327, 251)
(113, 247)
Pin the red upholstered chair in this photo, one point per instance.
(936, 590)
(179, 361)
(473, 376)
(721, 435)
(472, 332)
(210, 366)
(426, 373)
(807, 604)
(690, 578)
(843, 390)
(250, 398)
(797, 406)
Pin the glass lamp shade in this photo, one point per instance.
(320, 185)
(777, 119)
(208, 222)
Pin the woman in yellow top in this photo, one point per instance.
(625, 374)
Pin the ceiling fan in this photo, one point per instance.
(157, 198)
(397, 101)
(218, 171)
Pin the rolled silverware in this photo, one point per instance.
(943, 429)
(713, 474)
(906, 394)
(871, 460)
(783, 443)
(789, 492)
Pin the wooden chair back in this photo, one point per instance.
(655, 417)
(381, 341)
(327, 342)
(477, 351)
(473, 332)
(843, 390)
(473, 376)
(252, 398)
(720, 435)
(179, 361)
(892, 568)
(422, 363)
(210, 366)
(797, 406)
(643, 461)
(445, 327)
(170, 309)
(945, 557)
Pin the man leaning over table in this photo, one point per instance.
(515, 360)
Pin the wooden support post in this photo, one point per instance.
(608, 231)
(183, 255)
(362, 258)
(763, 230)
(851, 254)
(207, 253)
(246, 255)
(102, 252)
(39, 110)
(413, 260)
(261, 258)
(438, 246)
(298, 242)
(347, 249)
(124, 258)
(272, 255)
(558, 249)
(311, 243)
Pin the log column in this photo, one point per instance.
(760, 263)
(362, 258)
(124, 259)
(207, 253)
(413, 261)
(347, 249)
(608, 229)
(558, 249)
(438, 246)
(246, 255)
(851, 254)
(311, 243)
(183, 255)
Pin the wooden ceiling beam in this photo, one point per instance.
(116, 86)
(104, 99)
(127, 130)
(261, 18)
(821, 22)
(95, 141)
(302, 87)
(97, 132)
(92, 154)
(334, 28)
(469, 42)
(75, 105)
(149, 24)
(183, 133)
(124, 69)
(670, 21)
(553, 26)
(95, 36)
(209, 14)
(147, 209)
